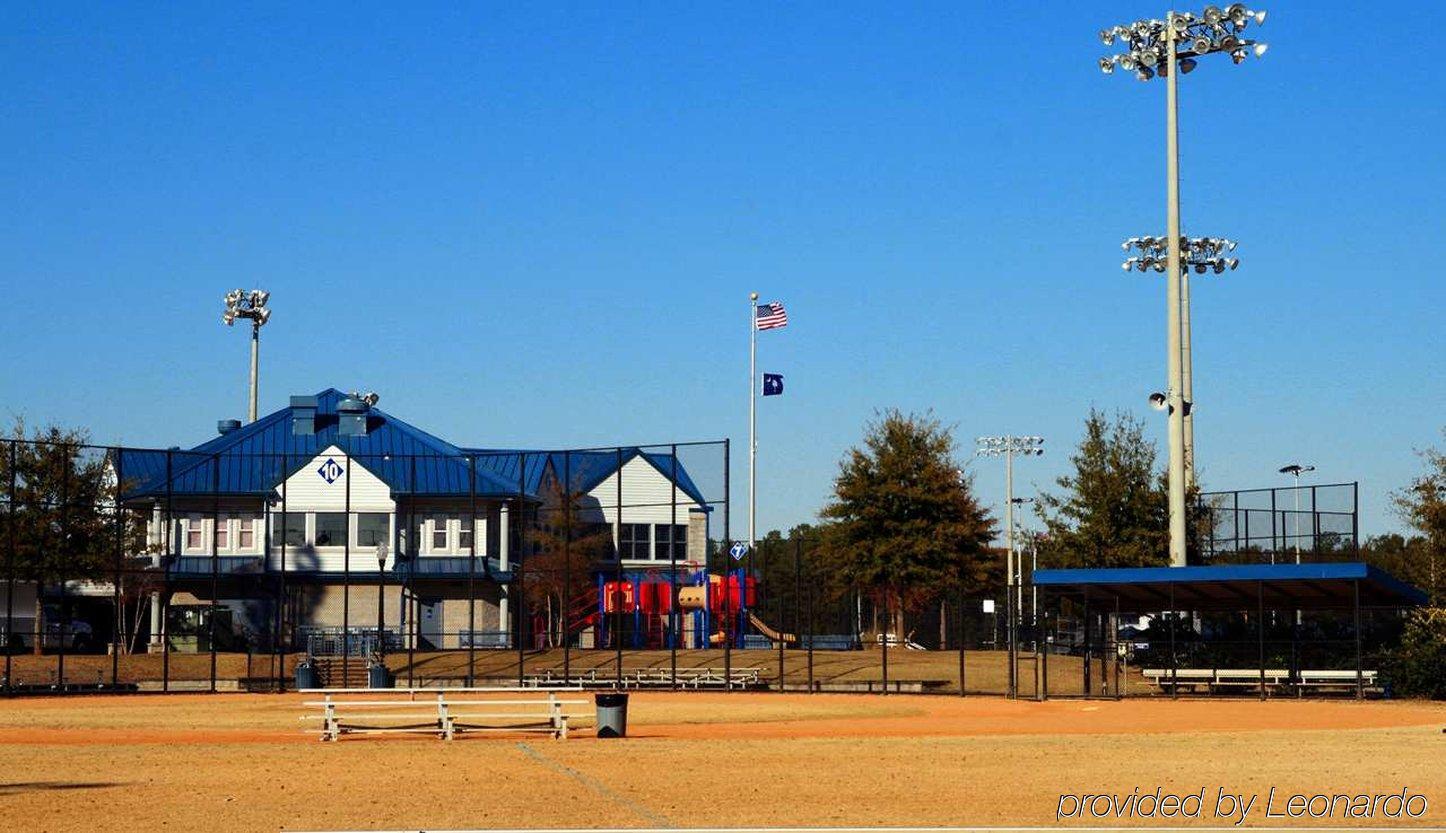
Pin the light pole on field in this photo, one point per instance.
(1006, 447)
(1169, 48)
(1296, 470)
(250, 305)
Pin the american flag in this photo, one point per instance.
(771, 316)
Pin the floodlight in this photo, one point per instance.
(1158, 401)
(1187, 65)
(1238, 56)
(1260, 48)
(1145, 73)
(229, 317)
(1237, 14)
(1160, 264)
(1213, 15)
(1259, 16)
(1128, 62)
(1107, 36)
(1232, 262)
(1107, 65)
(1149, 57)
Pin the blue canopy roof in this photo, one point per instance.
(1234, 586)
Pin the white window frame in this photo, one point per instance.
(197, 522)
(244, 523)
(311, 531)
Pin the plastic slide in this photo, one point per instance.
(763, 628)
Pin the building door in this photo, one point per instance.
(429, 624)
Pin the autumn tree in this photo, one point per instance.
(1422, 505)
(904, 524)
(565, 550)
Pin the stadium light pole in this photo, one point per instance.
(1006, 447)
(1203, 254)
(1296, 470)
(252, 306)
(1154, 48)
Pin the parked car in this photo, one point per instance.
(76, 636)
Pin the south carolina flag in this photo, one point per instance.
(773, 384)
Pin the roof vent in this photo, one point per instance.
(303, 415)
(351, 415)
(226, 426)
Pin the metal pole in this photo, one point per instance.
(727, 535)
(117, 600)
(520, 563)
(959, 626)
(255, 361)
(1356, 610)
(471, 573)
(797, 586)
(752, 414)
(673, 621)
(215, 561)
(1174, 661)
(10, 566)
(810, 636)
(171, 555)
(1260, 629)
(618, 577)
(884, 642)
(566, 567)
(346, 584)
(1172, 308)
(281, 589)
(1009, 612)
(1186, 374)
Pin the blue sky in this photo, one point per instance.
(539, 226)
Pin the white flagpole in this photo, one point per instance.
(752, 413)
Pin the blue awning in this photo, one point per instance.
(1321, 586)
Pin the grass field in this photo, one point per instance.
(240, 762)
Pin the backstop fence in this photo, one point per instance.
(170, 570)
(1280, 525)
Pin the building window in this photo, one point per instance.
(295, 529)
(439, 533)
(634, 541)
(372, 528)
(464, 534)
(222, 535)
(195, 532)
(330, 529)
(670, 538)
(246, 534)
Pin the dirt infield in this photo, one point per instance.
(240, 762)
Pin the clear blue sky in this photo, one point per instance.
(540, 226)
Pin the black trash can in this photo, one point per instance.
(612, 714)
(380, 676)
(306, 676)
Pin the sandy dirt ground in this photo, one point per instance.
(241, 762)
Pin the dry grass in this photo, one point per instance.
(239, 762)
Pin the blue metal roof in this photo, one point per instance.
(254, 459)
(586, 469)
(257, 457)
(1235, 586)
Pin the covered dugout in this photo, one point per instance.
(1305, 622)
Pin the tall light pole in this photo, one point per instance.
(252, 306)
(1296, 470)
(1154, 47)
(1007, 447)
(1203, 254)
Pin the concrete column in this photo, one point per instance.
(504, 547)
(157, 623)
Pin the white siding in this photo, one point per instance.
(647, 498)
(329, 482)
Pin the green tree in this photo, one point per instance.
(1113, 509)
(61, 514)
(1422, 505)
(904, 524)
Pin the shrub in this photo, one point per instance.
(1417, 668)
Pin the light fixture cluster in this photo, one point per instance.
(1213, 30)
(243, 304)
(997, 446)
(1201, 253)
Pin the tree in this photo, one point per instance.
(61, 515)
(904, 524)
(1422, 505)
(560, 567)
(1114, 509)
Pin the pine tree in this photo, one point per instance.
(1113, 508)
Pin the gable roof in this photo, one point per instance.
(586, 469)
(255, 458)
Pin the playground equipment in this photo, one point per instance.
(712, 609)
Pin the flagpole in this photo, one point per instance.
(752, 413)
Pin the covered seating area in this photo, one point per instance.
(1186, 602)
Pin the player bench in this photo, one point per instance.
(1213, 679)
(399, 711)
